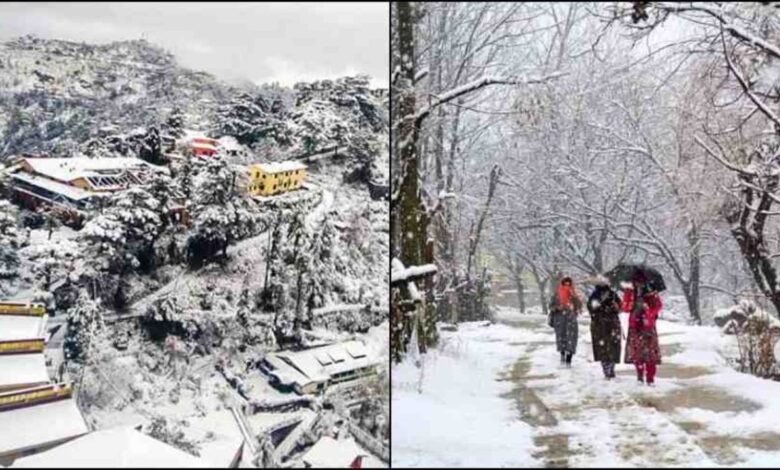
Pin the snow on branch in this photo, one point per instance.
(733, 29)
(722, 160)
(480, 83)
(746, 88)
(400, 274)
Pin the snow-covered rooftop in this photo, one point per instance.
(278, 167)
(31, 426)
(71, 192)
(203, 145)
(19, 370)
(229, 142)
(263, 422)
(190, 134)
(339, 453)
(13, 327)
(68, 169)
(121, 447)
(319, 364)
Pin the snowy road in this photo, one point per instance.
(496, 396)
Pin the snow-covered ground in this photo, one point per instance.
(460, 418)
(495, 395)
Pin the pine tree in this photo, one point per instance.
(151, 147)
(174, 125)
(221, 212)
(242, 118)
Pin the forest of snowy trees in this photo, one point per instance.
(564, 138)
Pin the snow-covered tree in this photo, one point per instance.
(151, 147)
(52, 261)
(221, 211)
(174, 124)
(84, 322)
(11, 239)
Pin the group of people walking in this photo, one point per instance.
(604, 305)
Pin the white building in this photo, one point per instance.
(313, 370)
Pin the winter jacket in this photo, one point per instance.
(653, 305)
(603, 306)
(642, 342)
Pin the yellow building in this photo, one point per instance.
(266, 179)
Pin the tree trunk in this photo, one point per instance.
(692, 289)
(495, 173)
(520, 292)
(749, 234)
(410, 215)
(542, 286)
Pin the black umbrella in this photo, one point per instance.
(626, 272)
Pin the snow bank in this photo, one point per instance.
(460, 419)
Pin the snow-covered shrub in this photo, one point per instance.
(756, 340)
(730, 319)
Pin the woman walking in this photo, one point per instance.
(642, 347)
(604, 307)
(565, 306)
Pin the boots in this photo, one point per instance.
(568, 360)
(563, 357)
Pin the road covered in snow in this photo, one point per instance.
(496, 395)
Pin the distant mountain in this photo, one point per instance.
(58, 97)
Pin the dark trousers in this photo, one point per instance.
(608, 368)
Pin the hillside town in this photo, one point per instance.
(200, 285)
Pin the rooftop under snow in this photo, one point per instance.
(31, 426)
(278, 167)
(68, 169)
(318, 364)
(27, 369)
(14, 327)
(121, 447)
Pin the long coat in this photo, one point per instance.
(642, 342)
(565, 324)
(604, 306)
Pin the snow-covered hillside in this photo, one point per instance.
(165, 320)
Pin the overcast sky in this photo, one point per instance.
(262, 42)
